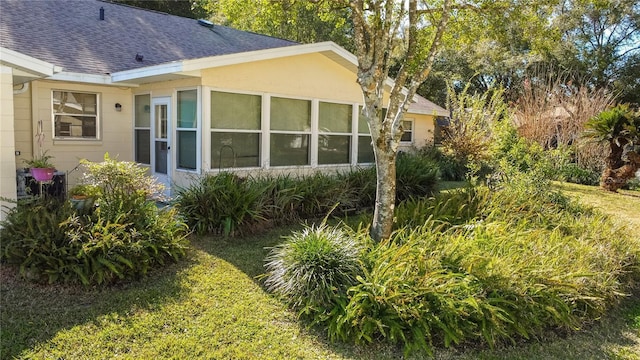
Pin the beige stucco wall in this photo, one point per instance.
(423, 130)
(116, 135)
(311, 75)
(7, 161)
(22, 125)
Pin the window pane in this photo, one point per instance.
(75, 126)
(230, 150)
(334, 117)
(235, 111)
(143, 146)
(365, 150)
(334, 149)
(187, 108)
(162, 154)
(287, 149)
(187, 150)
(290, 114)
(143, 111)
(75, 103)
(363, 127)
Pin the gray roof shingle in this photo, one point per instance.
(69, 33)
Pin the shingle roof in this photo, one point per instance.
(69, 33)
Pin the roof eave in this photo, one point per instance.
(29, 68)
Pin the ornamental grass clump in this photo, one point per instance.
(312, 270)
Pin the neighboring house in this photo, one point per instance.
(181, 96)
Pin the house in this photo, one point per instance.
(181, 96)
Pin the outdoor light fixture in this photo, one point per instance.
(118, 107)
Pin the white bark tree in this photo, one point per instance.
(410, 32)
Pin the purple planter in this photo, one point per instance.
(42, 174)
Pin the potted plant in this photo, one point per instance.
(41, 167)
(83, 196)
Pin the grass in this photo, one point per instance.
(211, 306)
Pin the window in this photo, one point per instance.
(365, 143)
(290, 131)
(407, 136)
(75, 115)
(334, 133)
(235, 130)
(187, 129)
(142, 128)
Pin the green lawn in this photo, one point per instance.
(212, 306)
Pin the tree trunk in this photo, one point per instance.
(615, 178)
(385, 194)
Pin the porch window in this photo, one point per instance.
(334, 133)
(235, 130)
(365, 145)
(142, 128)
(290, 132)
(186, 131)
(75, 115)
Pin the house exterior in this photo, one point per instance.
(181, 96)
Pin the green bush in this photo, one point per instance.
(224, 203)
(313, 269)
(450, 167)
(416, 176)
(227, 204)
(124, 237)
(480, 265)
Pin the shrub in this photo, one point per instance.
(480, 265)
(313, 269)
(224, 203)
(416, 176)
(124, 237)
(494, 278)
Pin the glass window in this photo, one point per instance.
(75, 115)
(290, 114)
(235, 111)
(407, 136)
(143, 146)
(289, 149)
(187, 109)
(233, 149)
(142, 128)
(334, 149)
(235, 130)
(290, 132)
(334, 139)
(334, 118)
(187, 131)
(365, 150)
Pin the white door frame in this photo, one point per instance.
(161, 141)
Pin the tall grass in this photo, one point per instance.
(477, 265)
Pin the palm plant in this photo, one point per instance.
(620, 128)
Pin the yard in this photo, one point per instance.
(212, 306)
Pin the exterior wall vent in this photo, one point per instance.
(205, 23)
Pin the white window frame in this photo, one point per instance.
(413, 130)
(135, 128)
(210, 129)
(197, 130)
(265, 131)
(313, 130)
(318, 132)
(72, 138)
